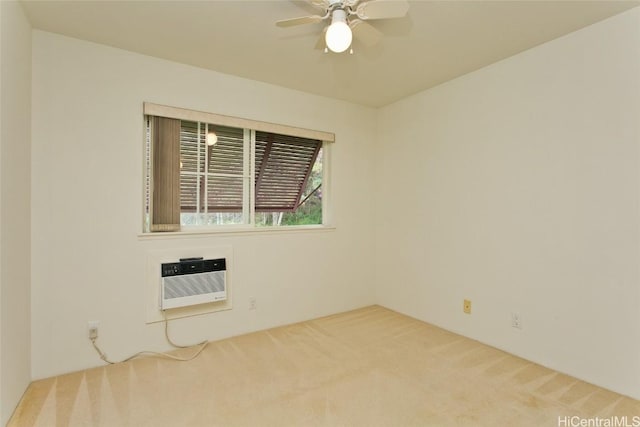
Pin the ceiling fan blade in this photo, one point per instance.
(321, 4)
(365, 32)
(351, 3)
(382, 9)
(299, 21)
(321, 43)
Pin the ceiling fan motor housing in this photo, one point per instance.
(339, 15)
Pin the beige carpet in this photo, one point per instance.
(369, 367)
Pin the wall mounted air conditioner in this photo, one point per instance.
(193, 281)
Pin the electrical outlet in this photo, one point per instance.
(253, 303)
(466, 306)
(516, 320)
(92, 327)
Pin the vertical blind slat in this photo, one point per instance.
(166, 175)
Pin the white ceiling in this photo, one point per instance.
(437, 41)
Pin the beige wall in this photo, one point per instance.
(88, 261)
(15, 195)
(517, 186)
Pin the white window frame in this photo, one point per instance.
(249, 156)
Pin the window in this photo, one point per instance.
(212, 175)
(205, 172)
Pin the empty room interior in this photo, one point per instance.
(320, 213)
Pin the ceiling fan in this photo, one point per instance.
(348, 21)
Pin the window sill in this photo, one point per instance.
(236, 231)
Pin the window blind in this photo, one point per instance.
(165, 214)
(217, 168)
(283, 166)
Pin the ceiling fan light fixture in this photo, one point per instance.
(338, 36)
(212, 138)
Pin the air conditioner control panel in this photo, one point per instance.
(193, 266)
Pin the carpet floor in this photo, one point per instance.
(368, 367)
